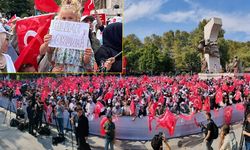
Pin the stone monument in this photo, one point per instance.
(209, 46)
(108, 7)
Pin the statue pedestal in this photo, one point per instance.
(213, 64)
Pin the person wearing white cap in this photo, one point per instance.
(6, 63)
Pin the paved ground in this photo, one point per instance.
(13, 139)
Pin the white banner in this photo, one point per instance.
(68, 34)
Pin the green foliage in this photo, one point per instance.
(23, 8)
(177, 51)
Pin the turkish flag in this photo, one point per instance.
(218, 97)
(45, 93)
(150, 119)
(88, 6)
(152, 109)
(124, 62)
(240, 107)
(98, 108)
(197, 103)
(17, 91)
(246, 91)
(228, 111)
(109, 95)
(168, 121)
(11, 19)
(206, 106)
(30, 34)
(103, 121)
(47, 6)
(237, 95)
(132, 107)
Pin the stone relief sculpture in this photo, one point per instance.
(209, 47)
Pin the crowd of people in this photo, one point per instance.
(137, 97)
(103, 52)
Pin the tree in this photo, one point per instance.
(22, 8)
(132, 48)
(223, 49)
(148, 61)
(192, 61)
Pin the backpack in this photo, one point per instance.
(22, 126)
(156, 142)
(44, 131)
(215, 130)
(14, 122)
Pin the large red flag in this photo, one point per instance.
(168, 121)
(32, 29)
(88, 6)
(46, 6)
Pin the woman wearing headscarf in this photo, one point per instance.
(6, 63)
(109, 56)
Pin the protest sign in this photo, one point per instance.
(68, 34)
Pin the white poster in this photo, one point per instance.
(68, 34)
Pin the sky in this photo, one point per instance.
(146, 17)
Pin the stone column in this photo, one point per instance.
(211, 32)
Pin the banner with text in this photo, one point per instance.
(68, 34)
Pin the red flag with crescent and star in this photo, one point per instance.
(30, 33)
(88, 6)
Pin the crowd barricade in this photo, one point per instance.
(137, 130)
